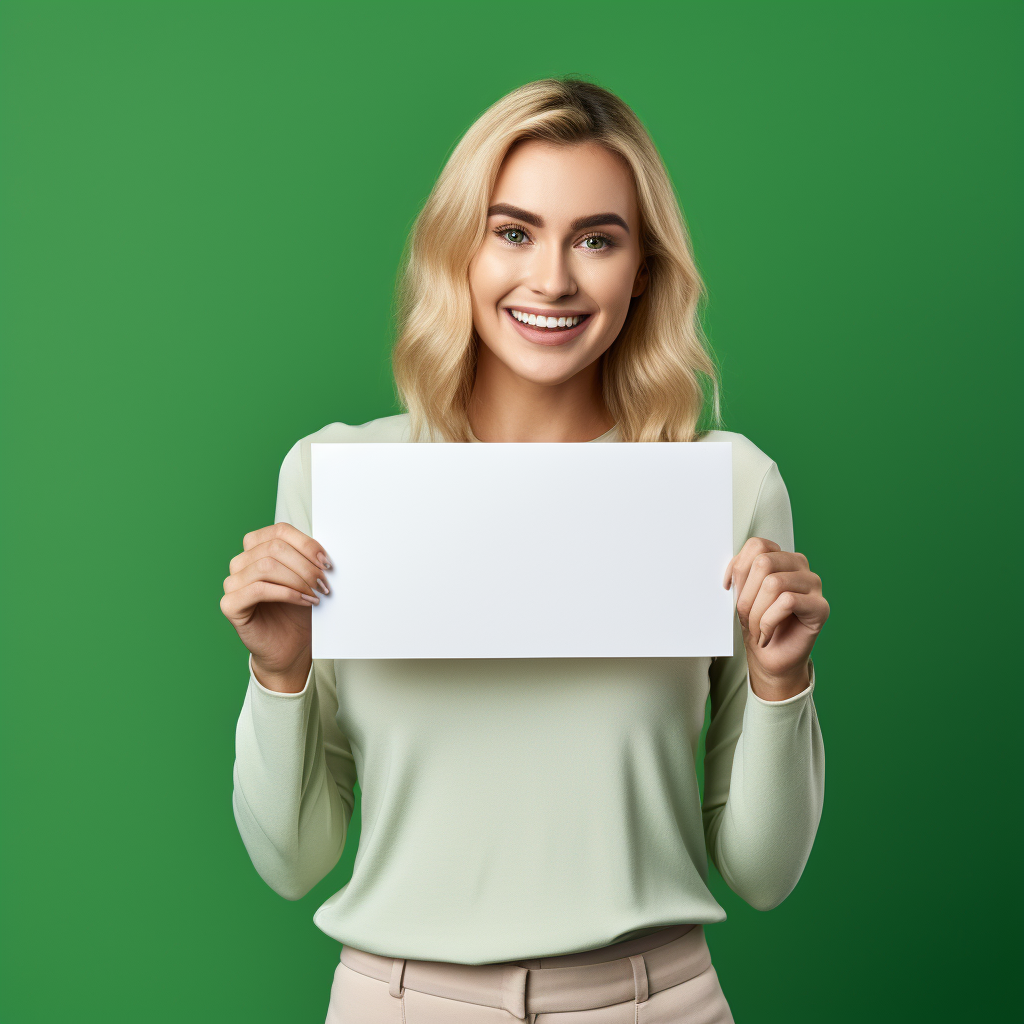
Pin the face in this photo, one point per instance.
(561, 242)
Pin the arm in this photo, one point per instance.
(294, 773)
(764, 761)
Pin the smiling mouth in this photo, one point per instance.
(551, 336)
(547, 323)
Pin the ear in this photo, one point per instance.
(640, 282)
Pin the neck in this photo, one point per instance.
(505, 407)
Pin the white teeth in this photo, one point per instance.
(546, 321)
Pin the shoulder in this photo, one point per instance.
(758, 491)
(748, 461)
(385, 428)
(295, 475)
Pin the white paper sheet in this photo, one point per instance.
(543, 550)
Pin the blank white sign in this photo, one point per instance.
(524, 550)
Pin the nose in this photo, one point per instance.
(550, 273)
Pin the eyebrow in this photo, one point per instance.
(578, 224)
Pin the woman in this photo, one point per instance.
(533, 843)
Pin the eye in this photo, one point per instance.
(507, 230)
(511, 229)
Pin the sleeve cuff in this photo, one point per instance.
(278, 693)
(806, 692)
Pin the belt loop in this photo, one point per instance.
(639, 976)
(397, 970)
(513, 991)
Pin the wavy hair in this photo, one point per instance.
(656, 373)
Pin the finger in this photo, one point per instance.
(271, 570)
(811, 609)
(731, 567)
(752, 547)
(775, 583)
(769, 560)
(727, 581)
(298, 540)
(283, 552)
(764, 565)
(752, 560)
(238, 604)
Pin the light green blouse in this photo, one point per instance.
(520, 808)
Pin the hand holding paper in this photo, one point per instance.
(267, 598)
(781, 611)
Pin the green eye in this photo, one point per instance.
(514, 235)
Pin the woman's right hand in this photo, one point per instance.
(268, 597)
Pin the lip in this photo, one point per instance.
(544, 335)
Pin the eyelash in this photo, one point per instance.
(504, 229)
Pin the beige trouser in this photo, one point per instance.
(664, 978)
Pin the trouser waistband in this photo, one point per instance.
(635, 969)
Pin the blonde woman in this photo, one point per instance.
(534, 845)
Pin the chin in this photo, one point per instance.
(546, 371)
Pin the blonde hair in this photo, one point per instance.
(655, 373)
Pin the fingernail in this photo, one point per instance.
(324, 560)
(322, 584)
(311, 598)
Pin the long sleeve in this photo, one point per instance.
(294, 773)
(764, 762)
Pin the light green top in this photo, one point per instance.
(520, 808)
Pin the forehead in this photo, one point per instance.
(562, 182)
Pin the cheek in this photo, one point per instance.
(488, 277)
(612, 288)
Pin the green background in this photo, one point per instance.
(203, 205)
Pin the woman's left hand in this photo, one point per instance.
(781, 609)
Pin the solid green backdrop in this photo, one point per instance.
(203, 205)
